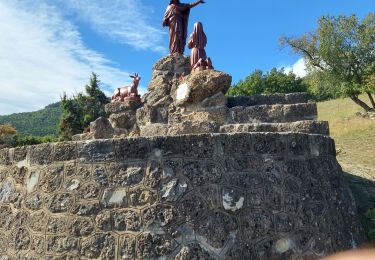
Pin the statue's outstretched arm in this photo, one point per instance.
(196, 3)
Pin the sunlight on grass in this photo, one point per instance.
(354, 136)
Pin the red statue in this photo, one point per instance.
(176, 18)
(128, 92)
(197, 42)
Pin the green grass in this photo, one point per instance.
(355, 143)
(354, 136)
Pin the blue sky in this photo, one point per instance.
(48, 47)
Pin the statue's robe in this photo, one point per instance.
(177, 17)
(197, 43)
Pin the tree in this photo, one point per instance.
(93, 104)
(274, 81)
(80, 110)
(341, 48)
(6, 135)
(71, 122)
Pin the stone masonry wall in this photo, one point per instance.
(218, 196)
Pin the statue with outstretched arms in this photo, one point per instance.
(176, 18)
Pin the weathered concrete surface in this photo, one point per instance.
(309, 127)
(272, 99)
(221, 196)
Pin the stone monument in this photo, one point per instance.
(185, 173)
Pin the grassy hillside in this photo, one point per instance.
(39, 123)
(355, 143)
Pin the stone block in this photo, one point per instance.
(193, 92)
(80, 227)
(273, 99)
(4, 157)
(51, 178)
(154, 130)
(101, 128)
(216, 230)
(127, 247)
(60, 202)
(298, 112)
(272, 144)
(198, 146)
(153, 246)
(99, 246)
(132, 148)
(193, 127)
(126, 220)
(308, 127)
(161, 146)
(120, 107)
(19, 155)
(41, 154)
(124, 120)
(65, 151)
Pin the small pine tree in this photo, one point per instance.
(94, 102)
(71, 119)
(81, 110)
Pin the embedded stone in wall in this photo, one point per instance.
(217, 196)
(127, 247)
(51, 178)
(100, 245)
(152, 245)
(114, 198)
(126, 220)
(60, 202)
(173, 190)
(233, 200)
(80, 227)
(193, 251)
(32, 181)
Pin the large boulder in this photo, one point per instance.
(166, 76)
(125, 120)
(101, 128)
(119, 107)
(199, 86)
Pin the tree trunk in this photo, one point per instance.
(360, 103)
(371, 99)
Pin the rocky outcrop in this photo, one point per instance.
(199, 86)
(213, 196)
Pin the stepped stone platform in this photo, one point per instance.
(185, 173)
(213, 196)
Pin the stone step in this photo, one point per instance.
(256, 100)
(206, 127)
(281, 113)
(309, 127)
(254, 114)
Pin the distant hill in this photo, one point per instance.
(39, 123)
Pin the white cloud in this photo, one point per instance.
(298, 68)
(42, 55)
(124, 21)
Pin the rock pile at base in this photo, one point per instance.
(178, 103)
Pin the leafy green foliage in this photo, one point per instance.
(274, 81)
(40, 123)
(80, 110)
(6, 134)
(341, 51)
(322, 87)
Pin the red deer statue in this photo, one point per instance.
(128, 92)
